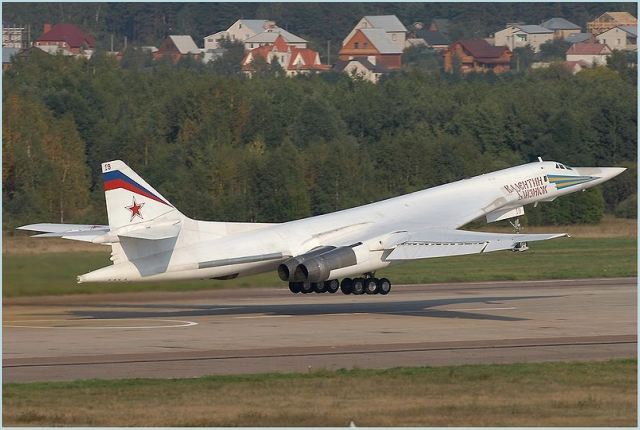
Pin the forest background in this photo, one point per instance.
(221, 146)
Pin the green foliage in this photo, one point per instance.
(224, 147)
(628, 208)
(621, 187)
(579, 208)
(422, 58)
(554, 50)
(522, 58)
(625, 63)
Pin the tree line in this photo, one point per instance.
(221, 146)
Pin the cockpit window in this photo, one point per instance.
(569, 168)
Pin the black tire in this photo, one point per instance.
(371, 286)
(305, 287)
(318, 287)
(358, 286)
(332, 286)
(294, 287)
(384, 286)
(346, 286)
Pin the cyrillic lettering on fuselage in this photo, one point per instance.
(528, 188)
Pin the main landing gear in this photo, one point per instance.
(355, 286)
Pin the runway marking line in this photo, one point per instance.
(181, 323)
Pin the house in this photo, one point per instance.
(609, 20)
(576, 66)
(7, 56)
(561, 27)
(519, 36)
(239, 31)
(293, 60)
(579, 37)
(591, 53)
(372, 42)
(363, 68)
(269, 36)
(244, 29)
(394, 30)
(477, 55)
(178, 47)
(13, 36)
(434, 39)
(66, 38)
(623, 38)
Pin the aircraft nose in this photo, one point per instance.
(604, 173)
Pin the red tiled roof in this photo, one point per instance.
(481, 49)
(69, 33)
(280, 45)
(586, 48)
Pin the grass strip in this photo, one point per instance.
(532, 394)
(55, 273)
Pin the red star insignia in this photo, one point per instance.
(135, 209)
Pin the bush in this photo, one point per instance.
(628, 208)
(578, 208)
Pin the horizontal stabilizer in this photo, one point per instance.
(81, 232)
(444, 243)
(64, 228)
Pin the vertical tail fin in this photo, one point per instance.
(130, 199)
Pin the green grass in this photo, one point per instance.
(55, 273)
(535, 394)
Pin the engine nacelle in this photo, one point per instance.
(317, 268)
(286, 270)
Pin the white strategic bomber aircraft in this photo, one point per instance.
(152, 241)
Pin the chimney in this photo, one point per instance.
(47, 27)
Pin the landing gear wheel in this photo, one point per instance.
(358, 286)
(305, 287)
(346, 286)
(294, 287)
(332, 286)
(318, 287)
(371, 286)
(384, 286)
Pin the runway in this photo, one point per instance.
(233, 331)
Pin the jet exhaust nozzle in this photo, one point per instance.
(286, 270)
(318, 269)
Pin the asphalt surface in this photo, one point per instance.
(170, 335)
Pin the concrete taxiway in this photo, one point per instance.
(232, 331)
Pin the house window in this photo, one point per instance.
(356, 45)
(366, 45)
(618, 41)
(521, 37)
(240, 25)
(209, 40)
(394, 36)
